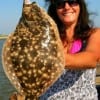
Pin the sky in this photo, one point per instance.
(11, 10)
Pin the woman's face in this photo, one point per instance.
(68, 12)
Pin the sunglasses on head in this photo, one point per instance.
(61, 3)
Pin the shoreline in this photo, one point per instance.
(3, 37)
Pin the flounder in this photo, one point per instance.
(32, 56)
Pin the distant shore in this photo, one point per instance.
(3, 36)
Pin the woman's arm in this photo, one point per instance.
(87, 58)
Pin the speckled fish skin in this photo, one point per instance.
(32, 56)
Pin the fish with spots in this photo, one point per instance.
(32, 55)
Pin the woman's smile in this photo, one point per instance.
(68, 14)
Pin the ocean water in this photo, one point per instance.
(6, 88)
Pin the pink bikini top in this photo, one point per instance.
(76, 46)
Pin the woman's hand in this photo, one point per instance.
(16, 96)
(27, 2)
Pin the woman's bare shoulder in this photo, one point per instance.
(94, 41)
(95, 34)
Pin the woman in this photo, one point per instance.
(82, 52)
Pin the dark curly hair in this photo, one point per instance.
(83, 26)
